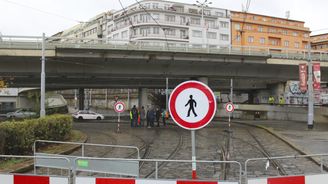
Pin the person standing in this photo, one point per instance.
(150, 118)
(158, 115)
(164, 117)
(142, 116)
(134, 115)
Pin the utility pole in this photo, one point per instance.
(43, 79)
(310, 89)
(202, 6)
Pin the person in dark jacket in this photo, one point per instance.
(134, 116)
(158, 115)
(150, 117)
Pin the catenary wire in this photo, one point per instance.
(42, 11)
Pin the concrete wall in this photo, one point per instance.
(273, 112)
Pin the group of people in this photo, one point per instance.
(138, 117)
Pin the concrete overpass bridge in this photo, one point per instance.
(99, 64)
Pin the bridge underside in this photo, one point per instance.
(97, 68)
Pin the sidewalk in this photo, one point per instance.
(308, 141)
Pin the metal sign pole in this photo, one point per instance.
(118, 122)
(43, 79)
(193, 154)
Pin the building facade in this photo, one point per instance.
(320, 42)
(248, 29)
(95, 28)
(157, 20)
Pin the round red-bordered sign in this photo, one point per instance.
(119, 107)
(229, 107)
(192, 115)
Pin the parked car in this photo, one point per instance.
(22, 114)
(85, 114)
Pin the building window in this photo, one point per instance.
(155, 30)
(262, 40)
(224, 24)
(250, 39)
(306, 45)
(156, 16)
(295, 34)
(272, 30)
(238, 38)
(124, 34)
(306, 35)
(224, 37)
(219, 14)
(260, 29)
(183, 34)
(134, 32)
(155, 5)
(211, 35)
(284, 32)
(237, 26)
(248, 27)
(286, 43)
(207, 12)
(170, 32)
(198, 34)
(195, 21)
(182, 20)
(169, 18)
(297, 45)
(274, 42)
(210, 23)
(116, 36)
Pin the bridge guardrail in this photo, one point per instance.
(34, 42)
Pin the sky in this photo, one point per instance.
(34, 17)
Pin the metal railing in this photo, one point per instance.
(67, 161)
(34, 42)
(271, 159)
(155, 161)
(83, 145)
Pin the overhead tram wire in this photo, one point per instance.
(145, 10)
(42, 11)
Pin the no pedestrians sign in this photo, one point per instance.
(192, 105)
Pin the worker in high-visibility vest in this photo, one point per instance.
(281, 101)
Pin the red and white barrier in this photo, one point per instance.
(31, 179)
(88, 180)
(311, 179)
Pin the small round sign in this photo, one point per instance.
(119, 107)
(229, 107)
(192, 105)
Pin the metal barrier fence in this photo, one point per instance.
(130, 167)
(272, 159)
(34, 42)
(55, 164)
(12, 178)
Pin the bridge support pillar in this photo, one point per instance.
(143, 97)
(81, 98)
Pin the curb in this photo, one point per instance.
(66, 152)
(287, 141)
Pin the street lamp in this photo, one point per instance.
(203, 5)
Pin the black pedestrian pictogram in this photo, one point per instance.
(192, 103)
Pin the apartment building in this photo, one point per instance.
(158, 20)
(95, 28)
(320, 42)
(248, 29)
